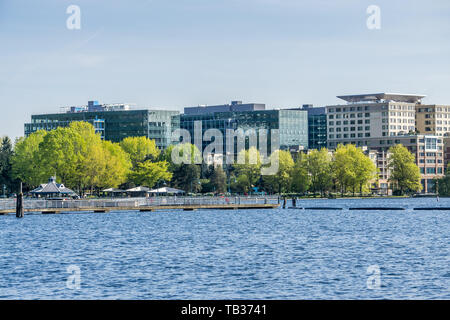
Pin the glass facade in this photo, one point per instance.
(115, 125)
(292, 125)
(317, 131)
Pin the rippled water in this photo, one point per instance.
(244, 254)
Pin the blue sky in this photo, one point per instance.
(175, 53)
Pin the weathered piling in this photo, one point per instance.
(19, 204)
(284, 203)
(294, 202)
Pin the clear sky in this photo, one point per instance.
(176, 53)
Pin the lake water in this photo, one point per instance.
(243, 254)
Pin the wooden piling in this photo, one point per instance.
(19, 204)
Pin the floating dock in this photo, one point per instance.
(146, 208)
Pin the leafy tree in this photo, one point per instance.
(443, 184)
(6, 154)
(75, 154)
(281, 181)
(319, 167)
(26, 166)
(248, 165)
(187, 177)
(148, 173)
(117, 166)
(140, 149)
(219, 180)
(241, 184)
(352, 168)
(404, 172)
(300, 177)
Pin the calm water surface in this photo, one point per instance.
(245, 254)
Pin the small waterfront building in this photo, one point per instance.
(166, 191)
(52, 189)
(138, 191)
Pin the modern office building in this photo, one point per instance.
(235, 106)
(292, 124)
(317, 126)
(427, 149)
(371, 115)
(433, 119)
(113, 122)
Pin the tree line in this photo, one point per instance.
(87, 164)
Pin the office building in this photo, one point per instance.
(371, 115)
(317, 126)
(292, 124)
(113, 122)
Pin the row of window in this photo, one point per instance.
(338, 129)
(346, 122)
(352, 135)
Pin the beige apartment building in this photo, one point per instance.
(378, 121)
(427, 149)
(433, 119)
(371, 115)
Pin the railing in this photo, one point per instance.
(10, 204)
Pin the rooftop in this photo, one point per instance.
(378, 97)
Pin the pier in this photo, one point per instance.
(137, 204)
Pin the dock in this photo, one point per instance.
(139, 205)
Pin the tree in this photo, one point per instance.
(300, 176)
(182, 158)
(117, 166)
(6, 154)
(75, 154)
(219, 180)
(404, 172)
(352, 168)
(319, 167)
(248, 165)
(26, 166)
(443, 184)
(187, 177)
(140, 149)
(148, 173)
(281, 181)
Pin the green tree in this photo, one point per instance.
(320, 171)
(248, 165)
(187, 177)
(281, 181)
(6, 154)
(26, 165)
(75, 154)
(140, 149)
(117, 166)
(219, 180)
(149, 173)
(352, 168)
(300, 177)
(404, 172)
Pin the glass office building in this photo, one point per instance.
(114, 122)
(292, 126)
(317, 126)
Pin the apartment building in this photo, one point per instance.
(371, 115)
(433, 119)
(427, 149)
